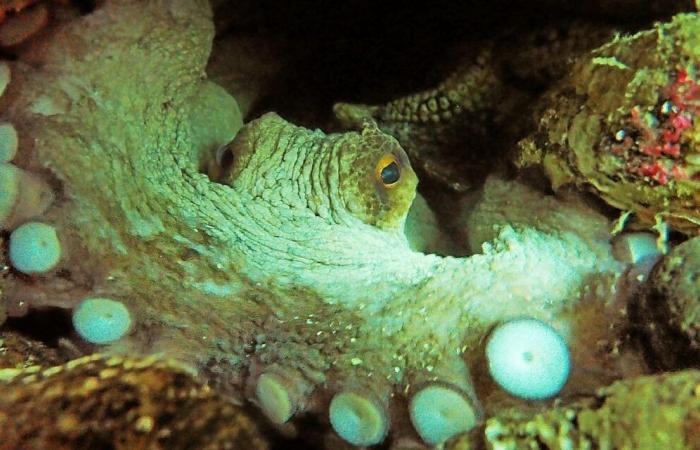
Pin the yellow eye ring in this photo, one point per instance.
(388, 170)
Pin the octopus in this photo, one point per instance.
(271, 259)
(458, 130)
(20, 20)
(633, 145)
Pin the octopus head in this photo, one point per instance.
(365, 174)
(377, 183)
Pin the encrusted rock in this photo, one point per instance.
(625, 125)
(98, 402)
(669, 309)
(650, 412)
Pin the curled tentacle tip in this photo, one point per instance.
(5, 76)
(21, 27)
(274, 398)
(8, 138)
(353, 115)
(23, 195)
(359, 419)
(9, 191)
(439, 412)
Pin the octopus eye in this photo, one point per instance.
(388, 171)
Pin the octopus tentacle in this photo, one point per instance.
(293, 258)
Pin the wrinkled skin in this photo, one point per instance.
(299, 265)
(346, 174)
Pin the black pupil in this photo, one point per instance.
(390, 174)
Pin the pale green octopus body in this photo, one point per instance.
(286, 279)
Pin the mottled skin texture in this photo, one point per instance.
(456, 132)
(294, 260)
(634, 142)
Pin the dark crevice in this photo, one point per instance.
(370, 52)
(46, 325)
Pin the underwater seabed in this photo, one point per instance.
(237, 224)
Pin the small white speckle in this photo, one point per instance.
(356, 361)
(620, 135)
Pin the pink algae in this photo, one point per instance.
(658, 144)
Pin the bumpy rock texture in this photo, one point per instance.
(669, 309)
(109, 402)
(625, 125)
(646, 413)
